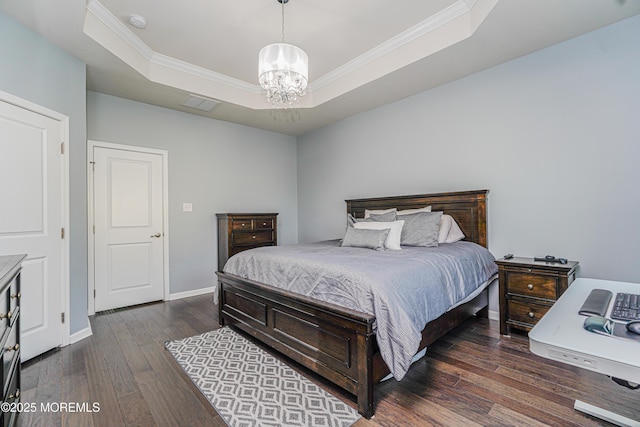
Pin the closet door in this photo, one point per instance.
(31, 221)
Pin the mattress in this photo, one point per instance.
(404, 289)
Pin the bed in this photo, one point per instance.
(339, 343)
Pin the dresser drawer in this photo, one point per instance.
(263, 224)
(10, 350)
(14, 296)
(526, 312)
(257, 237)
(239, 224)
(5, 312)
(533, 285)
(12, 395)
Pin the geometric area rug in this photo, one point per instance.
(249, 387)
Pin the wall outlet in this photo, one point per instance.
(187, 207)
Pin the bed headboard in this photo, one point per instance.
(468, 208)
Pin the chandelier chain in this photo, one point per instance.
(283, 21)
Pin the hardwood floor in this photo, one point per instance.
(469, 377)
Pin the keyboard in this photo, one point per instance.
(626, 307)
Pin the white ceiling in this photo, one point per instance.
(362, 53)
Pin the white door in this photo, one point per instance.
(31, 221)
(128, 251)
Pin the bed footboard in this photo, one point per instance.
(335, 342)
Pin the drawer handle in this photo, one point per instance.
(264, 224)
(253, 237)
(531, 314)
(18, 295)
(8, 315)
(530, 286)
(242, 225)
(14, 347)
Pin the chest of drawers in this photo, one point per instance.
(10, 268)
(238, 232)
(529, 288)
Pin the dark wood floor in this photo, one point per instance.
(470, 377)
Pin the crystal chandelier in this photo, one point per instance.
(283, 71)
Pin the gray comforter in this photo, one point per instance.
(404, 289)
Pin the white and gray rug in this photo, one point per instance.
(249, 387)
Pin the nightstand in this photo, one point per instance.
(529, 288)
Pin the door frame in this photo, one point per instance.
(91, 144)
(65, 242)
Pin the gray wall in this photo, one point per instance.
(40, 72)
(216, 166)
(554, 135)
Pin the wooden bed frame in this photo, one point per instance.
(336, 342)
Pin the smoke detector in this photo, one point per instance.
(138, 21)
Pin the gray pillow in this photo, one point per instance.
(420, 229)
(361, 238)
(386, 217)
(352, 220)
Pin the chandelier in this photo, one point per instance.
(283, 71)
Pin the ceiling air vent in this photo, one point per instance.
(200, 103)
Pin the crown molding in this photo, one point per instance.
(419, 30)
(203, 73)
(103, 14)
(162, 68)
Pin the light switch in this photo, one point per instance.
(187, 207)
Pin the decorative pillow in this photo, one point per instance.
(371, 239)
(351, 220)
(385, 217)
(455, 233)
(395, 227)
(449, 231)
(368, 213)
(420, 229)
(412, 211)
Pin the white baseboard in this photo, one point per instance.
(195, 292)
(494, 315)
(81, 334)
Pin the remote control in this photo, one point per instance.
(508, 256)
(551, 258)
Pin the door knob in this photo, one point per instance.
(157, 235)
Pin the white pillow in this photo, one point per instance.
(449, 230)
(412, 211)
(455, 233)
(395, 231)
(368, 213)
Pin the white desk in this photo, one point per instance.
(559, 335)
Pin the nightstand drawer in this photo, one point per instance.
(526, 312)
(252, 238)
(533, 285)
